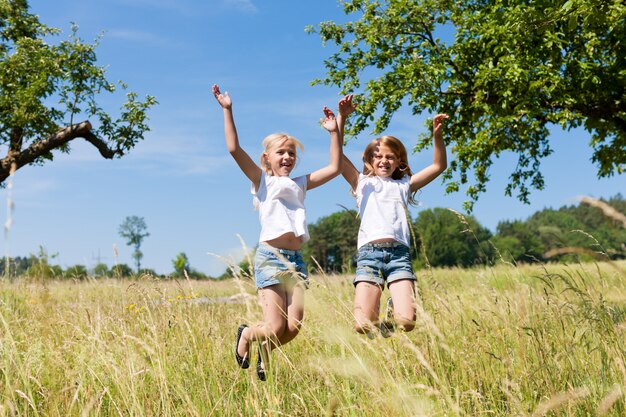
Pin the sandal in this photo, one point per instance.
(260, 370)
(243, 362)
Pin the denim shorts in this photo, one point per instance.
(380, 262)
(274, 266)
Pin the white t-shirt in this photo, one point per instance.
(382, 204)
(280, 201)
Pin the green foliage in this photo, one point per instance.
(45, 86)
(447, 238)
(134, 230)
(245, 268)
(40, 268)
(121, 271)
(76, 272)
(101, 270)
(582, 232)
(14, 267)
(181, 264)
(516, 242)
(508, 73)
(333, 242)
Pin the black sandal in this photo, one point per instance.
(243, 362)
(260, 371)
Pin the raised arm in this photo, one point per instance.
(349, 171)
(440, 160)
(323, 175)
(247, 165)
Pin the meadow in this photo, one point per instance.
(540, 340)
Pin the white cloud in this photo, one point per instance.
(190, 7)
(159, 4)
(241, 5)
(140, 37)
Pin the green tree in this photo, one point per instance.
(40, 267)
(101, 270)
(447, 238)
(515, 241)
(134, 230)
(333, 242)
(121, 271)
(570, 228)
(76, 272)
(44, 87)
(13, 267)
(181, 264)
(507, 72)
(597, 231)
(244, 269)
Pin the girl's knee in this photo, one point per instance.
(275, 329)
(290, 333)
(293, 328)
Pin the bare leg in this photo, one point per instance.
(403, 297)
(295, 314)
(273, 302)
(366, 306)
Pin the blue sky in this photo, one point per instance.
(180, 179)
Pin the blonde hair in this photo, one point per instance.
(273, 140)
(398, 149)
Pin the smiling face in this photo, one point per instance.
(281, 158)
(386, 157)
(384, 161)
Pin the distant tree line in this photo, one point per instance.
(446, 238)
(40, 267)
(440, 238)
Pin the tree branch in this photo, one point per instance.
(42, 147)
(101, 145)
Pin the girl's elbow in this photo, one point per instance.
(441, 167)
(232, 149)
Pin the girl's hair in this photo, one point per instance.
(397, 147)
(274, 140)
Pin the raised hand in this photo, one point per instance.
(346, 106)
(329, 122)
(438, 123)
(223, 99)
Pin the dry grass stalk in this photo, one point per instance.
(574, 250)
(609, 400)
(606, 209)
(9, 221)
(559, 400)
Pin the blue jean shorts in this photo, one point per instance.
(380, 262)
(274, 266)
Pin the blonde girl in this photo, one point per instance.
(383, 192)
(279, 270)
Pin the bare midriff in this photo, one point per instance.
(384, 240)
(287, 241)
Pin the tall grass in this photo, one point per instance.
(496, 341)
